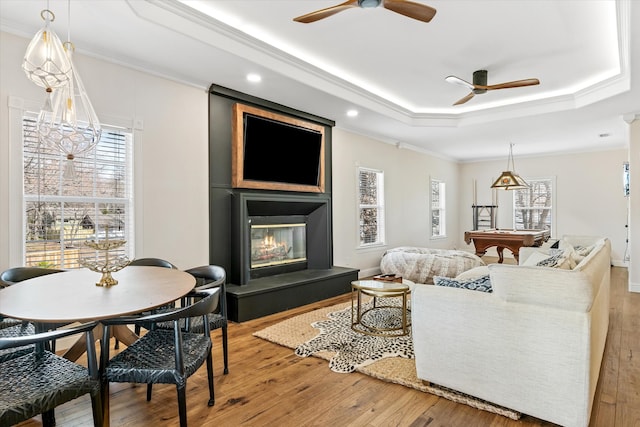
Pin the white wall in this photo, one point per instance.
(406, 175)
(589, 197)
(171, 149)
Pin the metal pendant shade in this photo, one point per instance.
(45, 62)
(510, 180)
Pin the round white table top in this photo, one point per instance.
(73, 295)
(382, 285)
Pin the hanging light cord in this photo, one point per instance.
(510, 159)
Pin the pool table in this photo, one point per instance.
(505, 238)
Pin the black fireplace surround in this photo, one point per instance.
(259, 292)
(311, 210)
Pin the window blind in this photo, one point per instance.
(61, 214)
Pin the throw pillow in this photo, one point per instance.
(474, 273)
(535, 258)
(560, 258)
(482, 284)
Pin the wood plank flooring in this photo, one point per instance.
(270, 386)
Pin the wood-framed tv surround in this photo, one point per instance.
(237, 152)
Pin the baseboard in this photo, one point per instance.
(369, 272)
(619, 263)
(634, 287)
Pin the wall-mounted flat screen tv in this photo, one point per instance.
(272, 151)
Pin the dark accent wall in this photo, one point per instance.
(221, 102)
(263, 296)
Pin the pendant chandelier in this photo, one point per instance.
(67, 121)
(510, 180)
(45, 62)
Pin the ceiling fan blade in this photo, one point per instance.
(323, 13)
(418, 11)
(458, 81)
(465, 99)
(517, 83)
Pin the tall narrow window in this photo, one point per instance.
(61, 214)
(438, 212)
(533, 206)
(371, 206)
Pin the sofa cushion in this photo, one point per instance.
(482, 284)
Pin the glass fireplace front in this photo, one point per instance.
(278, 244)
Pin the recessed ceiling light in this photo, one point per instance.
(254, 78)
(352, 113)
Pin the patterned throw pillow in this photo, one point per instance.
(560, 258)
(482, 284)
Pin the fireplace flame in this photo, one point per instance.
(270, 242)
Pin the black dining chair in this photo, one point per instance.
(37, 382)
(10, 327)
(18, 274)
(148, 262)
(153, 262)
(209, 277)
(162, 355)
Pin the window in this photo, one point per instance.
(61, 214)
(533, 207)
(438, 213)
(371, 206)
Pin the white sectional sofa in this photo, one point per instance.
(534, 344)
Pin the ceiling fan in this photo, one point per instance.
(411, 9)
(480, 84)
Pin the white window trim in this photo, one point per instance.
(443, 210)
(382, 232)
(18, 107)
(554, 208)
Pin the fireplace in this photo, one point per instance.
(277, 244)
(279, 233)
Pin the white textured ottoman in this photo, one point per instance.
(421, 264)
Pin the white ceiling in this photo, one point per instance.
(389, 67)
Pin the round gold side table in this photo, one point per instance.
(379, 289)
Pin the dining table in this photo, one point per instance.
(74, 296)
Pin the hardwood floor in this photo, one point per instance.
(268, 385)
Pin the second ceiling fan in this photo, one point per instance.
(411, 9)
(480, 86)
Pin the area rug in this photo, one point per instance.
(326, 333)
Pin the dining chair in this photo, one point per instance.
(162, 355)
(37, 382)
(148, 262)
(153, 262)
(209, 277)
(10, 327)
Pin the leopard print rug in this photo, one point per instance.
(355, 349)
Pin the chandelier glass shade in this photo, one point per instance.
(509, 179)
(67, 120)
(45, 61)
